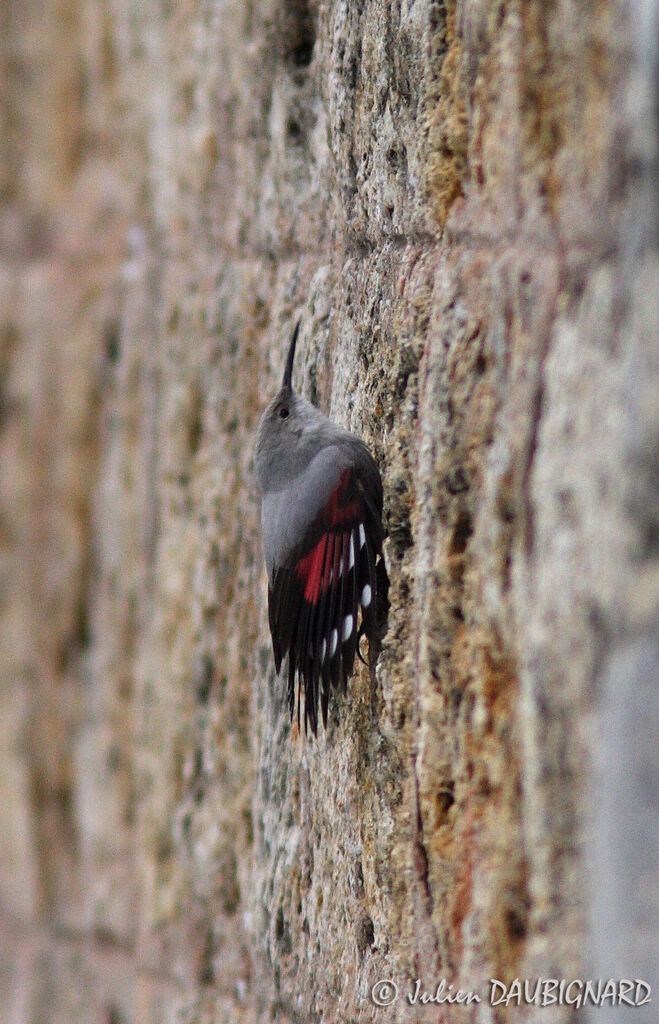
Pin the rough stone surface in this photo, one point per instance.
(459, 201)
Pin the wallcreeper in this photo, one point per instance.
(321, 518)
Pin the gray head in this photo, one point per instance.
(290, 432)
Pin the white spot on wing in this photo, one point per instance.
(333, 642)
(351, 561)
(362, 535)
(347, 628)
(366, 595)
(323, 651)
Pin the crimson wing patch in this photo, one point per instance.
(315, 599)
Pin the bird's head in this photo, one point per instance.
(287, 429)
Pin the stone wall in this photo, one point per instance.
(459, 201)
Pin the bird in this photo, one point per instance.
(321, 521)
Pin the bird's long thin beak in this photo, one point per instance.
(288, 372)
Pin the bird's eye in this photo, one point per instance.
(283, 413)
